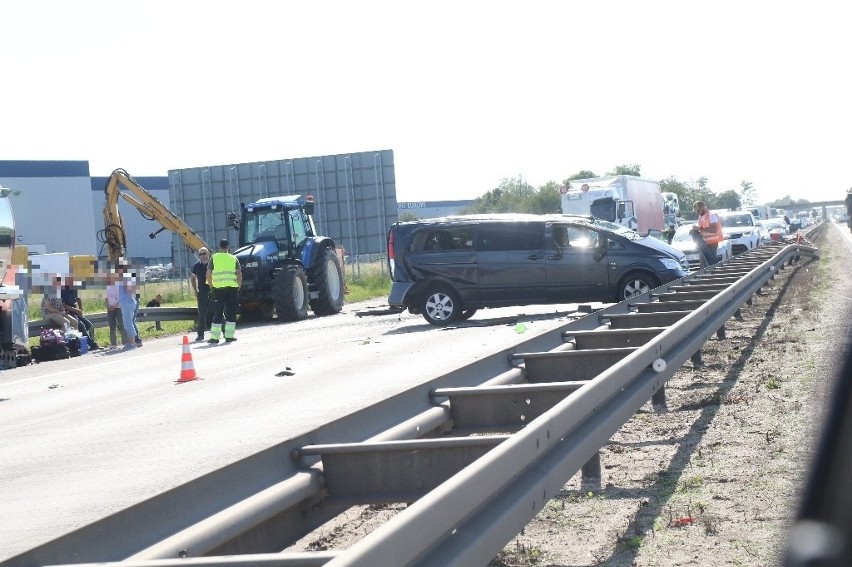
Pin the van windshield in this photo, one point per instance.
(618, 229)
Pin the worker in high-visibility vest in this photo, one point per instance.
(224, 277)
(710, 228)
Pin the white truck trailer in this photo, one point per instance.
(760, 212)
(628, 200)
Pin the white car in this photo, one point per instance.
(774, 230)
(741, 228)
(683, 241)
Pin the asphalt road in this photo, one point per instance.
(85, 437)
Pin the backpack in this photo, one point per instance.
(54, 351)
(74, 346)
(51, 337)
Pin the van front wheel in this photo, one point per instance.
(635, 284)
(441, 306)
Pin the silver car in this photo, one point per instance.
(683, 242)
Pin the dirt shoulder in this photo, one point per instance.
(715, 478)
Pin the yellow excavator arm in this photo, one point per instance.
(113, 234)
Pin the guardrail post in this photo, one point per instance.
(591, 471)
(720, 332)
(659, 397)
(696, 359)
(738, 315)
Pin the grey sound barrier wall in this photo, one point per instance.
(355, 197)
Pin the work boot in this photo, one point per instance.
(230, 340)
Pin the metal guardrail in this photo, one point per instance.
(548, 404)
(145, 314)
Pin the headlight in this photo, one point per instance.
(670, 264)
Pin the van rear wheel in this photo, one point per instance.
(441, 306)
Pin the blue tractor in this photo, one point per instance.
(286, 266)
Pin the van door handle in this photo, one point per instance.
(535, 257)
(558, 257)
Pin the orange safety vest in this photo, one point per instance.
(704, 221)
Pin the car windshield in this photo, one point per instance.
(729, 221)
(682, 233)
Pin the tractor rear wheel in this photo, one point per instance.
(327, 283)
(290, 293)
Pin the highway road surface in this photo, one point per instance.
(85, 437)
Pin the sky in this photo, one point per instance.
(465, 93)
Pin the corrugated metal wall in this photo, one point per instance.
(355, 197)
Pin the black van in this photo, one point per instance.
(447, 268)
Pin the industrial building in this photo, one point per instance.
(432, 209)
(59, 206)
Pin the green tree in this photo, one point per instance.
(408, 216)
(511, 196)
(582, 174)
(748, 193)
(729, 199)
(784, 201)
(546, 200)
(626, 169)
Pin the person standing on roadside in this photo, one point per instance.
(710, 228)
(127, 303)
(224, 277)
(114, 320)
(198, 282)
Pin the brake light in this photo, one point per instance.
(391, 253)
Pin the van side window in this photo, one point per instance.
(443, 239)
(510, 236)
(582, 237)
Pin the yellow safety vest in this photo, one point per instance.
(224, 269)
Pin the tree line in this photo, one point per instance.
(518, 196)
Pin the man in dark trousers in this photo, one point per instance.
(156, 302)
(74, 306)
(198, 281)
(224, 277)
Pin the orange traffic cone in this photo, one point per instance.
(187, 370)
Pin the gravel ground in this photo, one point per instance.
(714, 478)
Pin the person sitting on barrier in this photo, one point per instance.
(74, 306)
(53, 310)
